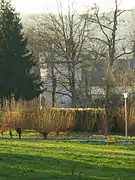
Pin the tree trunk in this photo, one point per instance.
(53, 87)
(57, 133)
(10, 134)
(106, 110)
(19, 131)
(73, 89)
(45, 135)
(73, 98)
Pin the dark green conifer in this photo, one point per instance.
(17, 75)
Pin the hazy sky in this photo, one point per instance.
(37, 6)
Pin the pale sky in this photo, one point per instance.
(39, 6)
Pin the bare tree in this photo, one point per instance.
(105, 43)
(66, 32)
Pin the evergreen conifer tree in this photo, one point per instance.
(16, 62)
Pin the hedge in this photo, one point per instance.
(58, 120)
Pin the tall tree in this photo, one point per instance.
(66, 32)
(17, 75)
(105, 43)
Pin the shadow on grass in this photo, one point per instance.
(41, 145)
(31, 167)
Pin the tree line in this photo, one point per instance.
(79, 40)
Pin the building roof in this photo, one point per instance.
(122, 72)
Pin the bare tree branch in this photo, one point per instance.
(124, 53)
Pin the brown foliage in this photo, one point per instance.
(66, 120)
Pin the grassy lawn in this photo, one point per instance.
(39, 160)
(30, 134)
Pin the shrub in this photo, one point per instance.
(48, 120)
(58, 120)
(11, 119)
(89, 120)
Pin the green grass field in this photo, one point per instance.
(46, 160)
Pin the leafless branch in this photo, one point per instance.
(124, 53)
